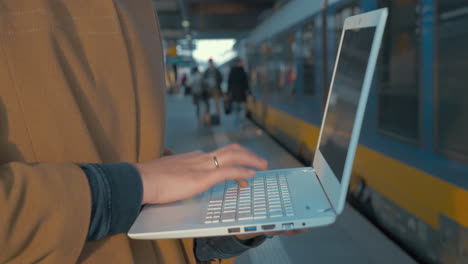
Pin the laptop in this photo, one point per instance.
(286, 199)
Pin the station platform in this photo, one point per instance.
(352, 239)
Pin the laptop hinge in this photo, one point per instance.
(326, 195)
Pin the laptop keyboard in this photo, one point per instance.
(267, 196)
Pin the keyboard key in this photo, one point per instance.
(243, 218)
(276, 214)
(275, 209)
(228, 217)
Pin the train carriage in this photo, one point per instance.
(411, 170)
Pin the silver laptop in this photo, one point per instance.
(286, 199)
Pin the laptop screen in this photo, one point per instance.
(344, 99)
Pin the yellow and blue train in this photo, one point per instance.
(411, 171)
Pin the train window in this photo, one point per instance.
(285, 63)
(397, 76)
(254, 66)
(273, 65)
(452, 90)
(308, 58)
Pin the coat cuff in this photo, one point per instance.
(117, 193)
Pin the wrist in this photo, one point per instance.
(143, 176)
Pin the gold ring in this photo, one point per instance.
(216, 161)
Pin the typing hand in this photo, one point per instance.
(178, 177)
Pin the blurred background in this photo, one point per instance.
(410, 177)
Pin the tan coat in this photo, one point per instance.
(81, 81)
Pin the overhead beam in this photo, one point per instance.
(226, 22)
(221, 35)
(165, 5)
(223, 8)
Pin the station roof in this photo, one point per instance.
(211, 19)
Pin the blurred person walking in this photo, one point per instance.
(184, 84)
(212, 80)
(238, 86)
(195, 82)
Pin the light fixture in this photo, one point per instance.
(185, 23)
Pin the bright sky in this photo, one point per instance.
(218, 49)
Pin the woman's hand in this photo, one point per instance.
(288, 233)
(179, 177)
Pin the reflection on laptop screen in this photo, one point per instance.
(344, 100)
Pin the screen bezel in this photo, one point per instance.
(335, 190)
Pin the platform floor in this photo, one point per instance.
(352, 239)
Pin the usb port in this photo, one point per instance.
(268, 227)
(250, 228)
(234, 230)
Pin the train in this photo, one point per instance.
(410, 174)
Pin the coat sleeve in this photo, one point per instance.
(44, 212)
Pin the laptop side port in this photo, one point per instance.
(268, 227)
(287, 226)
(234, 230)
(250, 228)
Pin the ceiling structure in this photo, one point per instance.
(211, 19)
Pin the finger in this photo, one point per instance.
(274, 233)
(230, 173)
(295, 232)
(242, 183)
(237, 157)
(235, 154)
(232, 146)
(288, 233)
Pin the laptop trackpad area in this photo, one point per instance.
(308, 196)
(178, 215)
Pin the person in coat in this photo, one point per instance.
(195, 82)
(238, 86)
(212, 80)
(81, 138)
